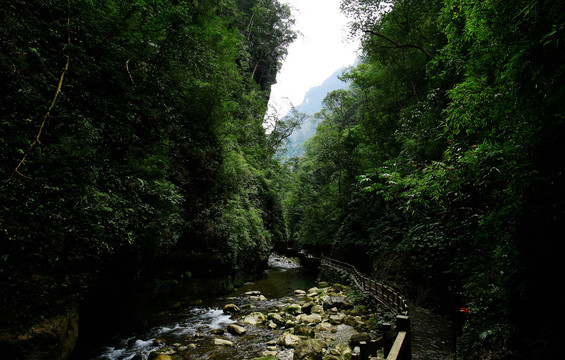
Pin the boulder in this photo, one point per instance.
(236, 329)
(304, 330)
(294, 309)
(53, 338)
(253, 293)
(255, 318)
(337, 319)
(307, 307)
(340, 302)
(309, 319)
(288, 340)
(359, 337)
(222, 342)
(231, 309)
(276, 318)
(309, 350)
(317, 309)
(162, 357)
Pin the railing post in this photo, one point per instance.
(387, 343)
(403, 324)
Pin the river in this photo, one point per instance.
(193, 328)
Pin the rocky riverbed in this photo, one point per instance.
(310, 324)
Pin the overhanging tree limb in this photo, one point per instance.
(57, 92)
(396, 45)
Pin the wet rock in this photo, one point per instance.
(309, 350)
(231, 309)
(253, 293)
(276, 318)
(162, 351)
(299, 292)
(159, 341)
(162, 357)
(255, 318)
(294, 309)
(236, 329)
(222, 342)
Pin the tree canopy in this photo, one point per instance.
(441, 165)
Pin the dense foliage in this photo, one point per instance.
(440, 169)
(151, 154)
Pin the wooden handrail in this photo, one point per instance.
(385, 295)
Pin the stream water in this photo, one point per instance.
(191, 330)
(193, 327)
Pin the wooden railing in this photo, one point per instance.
(395, 341)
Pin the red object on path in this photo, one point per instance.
(464, 310)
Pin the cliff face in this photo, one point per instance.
(51, 339)
(148, 172)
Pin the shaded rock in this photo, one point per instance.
(340, 302)
(307, 307)
(159, 341)
(357, 338)
(276, 318)
(253, 293)
(304, 330)
(217, 331)
(53, 338)
(294, 309)
(231, 309)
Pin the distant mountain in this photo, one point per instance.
(311, 104)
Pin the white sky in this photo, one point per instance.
(313, 57)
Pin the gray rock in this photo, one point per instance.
(340, 302)
(309, 350)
